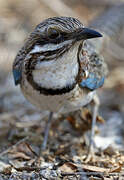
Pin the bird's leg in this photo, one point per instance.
(46, 132)
(95, 113)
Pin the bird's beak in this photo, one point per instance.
(86, 33)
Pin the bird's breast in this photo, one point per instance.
(63, 103)
(56, 73)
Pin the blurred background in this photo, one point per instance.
(17, 20)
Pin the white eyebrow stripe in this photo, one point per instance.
(48, 47)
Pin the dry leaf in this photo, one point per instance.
(83, 121)
(5, 168)
(116, 169)
(23, 151)
(95, 169)
(68, 167)
(110, 151)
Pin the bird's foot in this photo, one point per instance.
(90, 155)
(91, 152)
(46, 134)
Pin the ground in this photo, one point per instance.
(22, 126)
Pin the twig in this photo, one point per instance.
(12, 147)
(98, 174)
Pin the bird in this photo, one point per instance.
(54, 70)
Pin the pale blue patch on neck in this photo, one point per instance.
(17, 76)
(92, 82)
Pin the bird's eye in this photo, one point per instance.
(53, 33)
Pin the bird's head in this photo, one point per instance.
(58, 34)
(54, 42)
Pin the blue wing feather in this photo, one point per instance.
(92, 82)
(17, 76)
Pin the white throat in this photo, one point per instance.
(57, 73)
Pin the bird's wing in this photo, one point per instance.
(92, 82)
(17, 66)
(96, 72)
(17, 76)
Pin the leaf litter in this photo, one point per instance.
(22, 126)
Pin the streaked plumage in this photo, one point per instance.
(54, 69)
